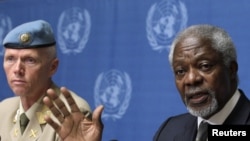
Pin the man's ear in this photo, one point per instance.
(54, 66)
(234, 69)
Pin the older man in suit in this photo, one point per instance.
(204, 62)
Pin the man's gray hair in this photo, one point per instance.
(219, 38)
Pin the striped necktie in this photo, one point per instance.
(202, 132)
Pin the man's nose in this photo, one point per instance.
(18, 68)
(193, 77)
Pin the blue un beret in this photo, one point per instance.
(30, 35)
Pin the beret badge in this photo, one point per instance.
(25, 38)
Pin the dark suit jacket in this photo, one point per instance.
(184, 127)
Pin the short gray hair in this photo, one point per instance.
(219, 38)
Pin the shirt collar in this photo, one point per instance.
(30, 112)
(221, 116)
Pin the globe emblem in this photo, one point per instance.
(113, 90)
(165, 19)
(73, 30)
(5, 27)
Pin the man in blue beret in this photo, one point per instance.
(30, 61)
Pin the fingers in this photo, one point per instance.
(70, 100)
(60, 104)
(49, 103)
(97, 116)
(52, 123)
(57, 106)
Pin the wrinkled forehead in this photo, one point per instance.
(193, 42)
(26, 52)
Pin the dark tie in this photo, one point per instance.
(23, 122)
(202, 132)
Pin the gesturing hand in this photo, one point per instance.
(73, 126)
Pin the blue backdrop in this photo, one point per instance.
(114, 52)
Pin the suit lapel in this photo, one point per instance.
(189, 131)
(241, 111)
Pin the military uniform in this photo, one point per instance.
(37, 129)
(35, 34)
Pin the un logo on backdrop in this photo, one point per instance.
(73, 30)
(113, 90)
(5, 27)
(165, 19)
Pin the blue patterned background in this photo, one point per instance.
(114, 52)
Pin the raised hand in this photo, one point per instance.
(72, 126)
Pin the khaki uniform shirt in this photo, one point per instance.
(37, 129)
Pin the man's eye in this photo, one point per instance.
(206, 66)
(10, 59)
(179, 72)
(30, 60)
